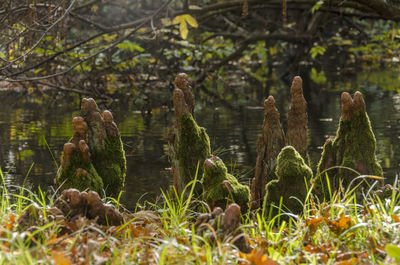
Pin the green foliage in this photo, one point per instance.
(393, 251)
(318, 77)
(317, 50)
(130, 46)
(317, 6)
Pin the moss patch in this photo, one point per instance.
(293, 174)
(220, 187)
(111, 165)
(79, 174)
(193, 147)
(353, 147)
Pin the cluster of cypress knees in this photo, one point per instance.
(93, 162)
(94, 158)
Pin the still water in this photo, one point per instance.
(34, 128)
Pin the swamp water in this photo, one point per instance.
(34, 128)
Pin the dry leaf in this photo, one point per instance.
(339, 225)
(351, 261)
(59, 258)
(395, 218)
(313, 224)
(259, 258)
(10, 224)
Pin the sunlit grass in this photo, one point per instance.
(338, 228)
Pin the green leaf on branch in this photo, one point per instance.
(317, 6)
(317, 50)
(130, 46)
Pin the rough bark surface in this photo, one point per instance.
(269, 145)
(273, 139)
(69, 207)
(296, 135)
(182, 82)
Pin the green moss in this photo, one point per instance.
(353, 147)
(193, 147)
(293, 174)
(111, 165)
(215, 192)
(70, 176)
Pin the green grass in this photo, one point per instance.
(341, 229)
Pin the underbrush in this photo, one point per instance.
(342, 229)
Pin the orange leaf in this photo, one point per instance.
(395, 218)
(59, 258)
(259, 258)
(339, 225)
(55, 240)
(351, 261)
(313, 224)
(10, 224)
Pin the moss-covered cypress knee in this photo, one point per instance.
(353, 147)
(220, 187)
(293, 177)
(94, 159)
(112, 163)
(193, 148)
(77, 171)
(273, 139)
(189, 144)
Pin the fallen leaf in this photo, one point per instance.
(313, 224)
(10, 224)
(59, 258)
(395, 218)
(351, 261)
(339, 225)
(259, 258)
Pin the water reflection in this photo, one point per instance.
(34, 128)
